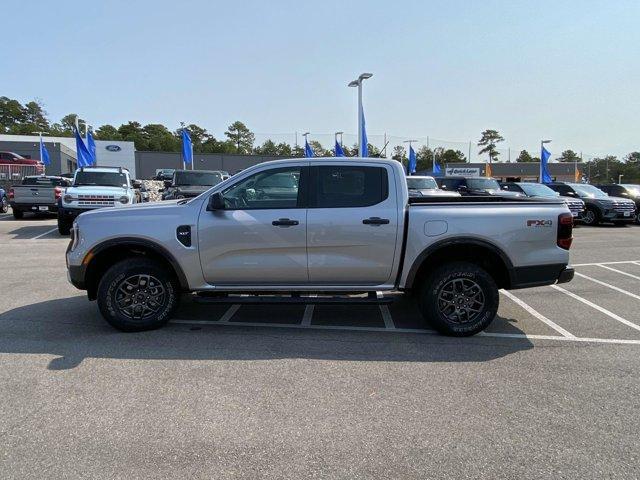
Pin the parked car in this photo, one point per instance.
(474, 186)
(190, 183)
(93, 188)
(540, 190)
(423, 186)
(600, 207)
(37, 194)
(632, 192)
(344, 225)
(163, 174)
(4, 201)
(11, 158)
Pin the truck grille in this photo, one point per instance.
(96, 200)
(622, 207)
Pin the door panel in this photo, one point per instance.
(260, 237)
(349, 244)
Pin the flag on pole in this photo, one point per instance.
(487, 170)
(308, 151)
(576, 175)
(365, 142)
(84, 157)
(411, 167)
(339, 150)
(544, 166)
(44, 154)
(436, 167)
(187, 147)
(91, 146)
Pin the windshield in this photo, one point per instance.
(633, 190)
(537, 190)
(204, 179)
(105, 179)
(483, 184)
(589, 191)
(421, 183)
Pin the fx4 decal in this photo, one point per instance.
(539, 223)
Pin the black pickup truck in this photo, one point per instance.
(190, 183)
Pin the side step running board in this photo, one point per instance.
(293, 300)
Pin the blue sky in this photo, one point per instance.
(565, 70)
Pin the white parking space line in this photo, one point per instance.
(45, 233)
(228, 315)
(386, 316)
(406, 330)
(308, 315)
(537, 314)
(597, 307)
(604, 284)
(597, 264)
(620, 271)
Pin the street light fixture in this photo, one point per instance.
(358, 83)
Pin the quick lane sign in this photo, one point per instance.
(462, 171)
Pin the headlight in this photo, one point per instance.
(124, 199)
(68, 198)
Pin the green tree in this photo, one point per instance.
(569, 156)
(633, 159)
(267, 148)
(241, 136)
(68, 122)
(318, 149)
(488, 140)
(198, 135)
(399, 153)
(524, 157)
(108, 132)
(11, 114)
(451, 156)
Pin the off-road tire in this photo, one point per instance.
(113, 288)
(4, 204)
(432, 302)
(17, 214)
(64, 226)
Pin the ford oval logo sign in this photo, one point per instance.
(113, 148)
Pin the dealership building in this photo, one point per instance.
(144, 165)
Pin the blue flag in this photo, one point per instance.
(544, 166)
(187, 147)
(365, 142)
(339, 150)
(436, 167)
(44, 154)
(308, 151)
(91, 146)
(411, 167)
(84, 157)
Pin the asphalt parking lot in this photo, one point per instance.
(243, 391)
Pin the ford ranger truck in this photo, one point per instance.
(93, 188)
(37, 194)
(344, 225)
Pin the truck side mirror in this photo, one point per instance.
(216, 202)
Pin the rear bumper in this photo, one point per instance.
(540, 275)
(34, 207)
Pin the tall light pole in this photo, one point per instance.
(542, 143)
(358, 83)
(620, 178)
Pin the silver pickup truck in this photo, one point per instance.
(324, 225)
(37, 194)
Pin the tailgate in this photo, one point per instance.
(34, 195)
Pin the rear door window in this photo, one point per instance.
(348, 186)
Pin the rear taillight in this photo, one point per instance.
(565, 230)
(12, 194)
(58, 192)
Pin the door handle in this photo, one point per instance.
(284, 222)
(375, 221)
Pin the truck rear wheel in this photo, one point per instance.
(17, 214)
(459, 299)
(137, 294)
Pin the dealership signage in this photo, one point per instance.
(113, 148)
(462, 171)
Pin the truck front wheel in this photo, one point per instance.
(64, 225)
(459, 299)
(137, 294)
